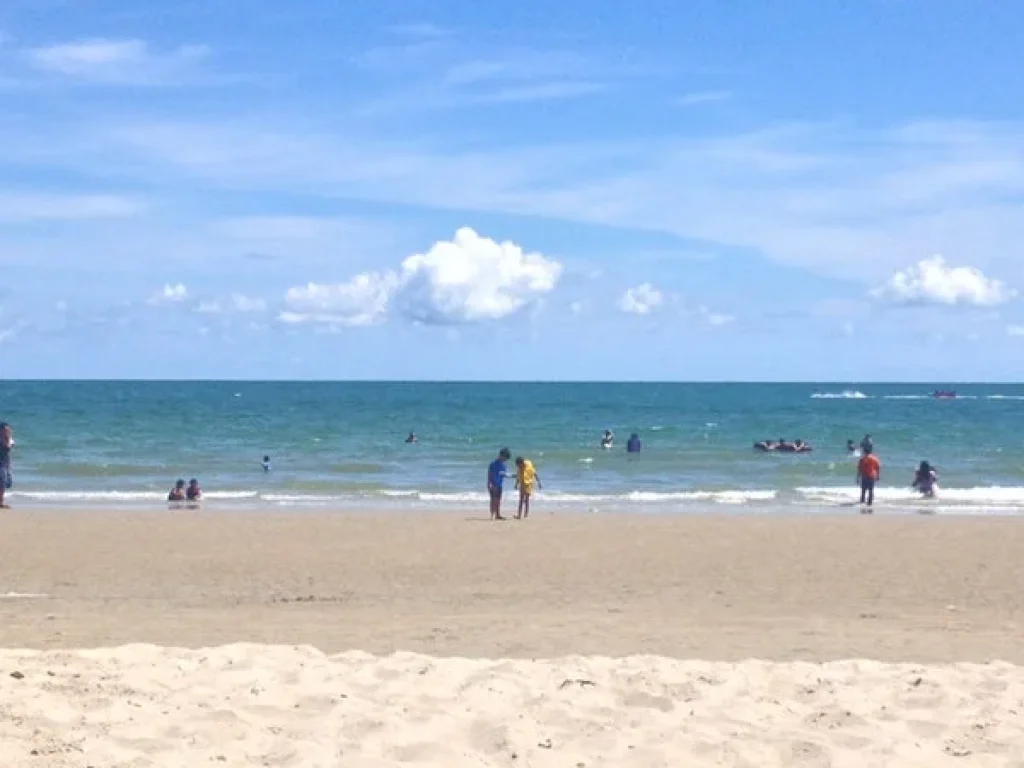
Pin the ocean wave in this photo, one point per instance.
(992, 496)
(1004, 397)
(398, 496)
(846, 394)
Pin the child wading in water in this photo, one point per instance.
(526, 479)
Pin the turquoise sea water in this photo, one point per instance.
(342, 444)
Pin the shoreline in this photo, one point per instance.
(713, 586)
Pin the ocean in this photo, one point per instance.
(341, 445)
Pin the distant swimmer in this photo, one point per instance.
(526, 480)
(766, 445)
(869, 470)
(266, 463)
(177, 493)
(608, 439)
(851, 447)
(412, 438)
(867, 445)
(633, 445)
(193, 493)
(926, 480)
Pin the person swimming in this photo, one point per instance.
(177, 493)
(266, 463)
(851, 447)
(193, 493)
(412, 438)
(766, 445)
(925, 480)
(633, 445)
(607, 439)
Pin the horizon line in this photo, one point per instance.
(829, 382)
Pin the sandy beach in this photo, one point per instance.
(568, 640)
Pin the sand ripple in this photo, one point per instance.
(253, 705)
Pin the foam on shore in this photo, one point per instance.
(258, 705)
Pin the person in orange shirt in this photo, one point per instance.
(869, 469)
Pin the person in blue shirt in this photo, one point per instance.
(497, 471)
(634, 445)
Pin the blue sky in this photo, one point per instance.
(574, 190)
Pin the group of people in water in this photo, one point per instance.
(633, 444)
(869, 471)
(182, 493)
(527, 480)
(782, 446)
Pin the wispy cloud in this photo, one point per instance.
(420, 30)
(170, 294)
(24, 207)
(840, 200)
(117, 62)
(703, 97)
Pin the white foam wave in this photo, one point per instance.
(846, 394)
(22, 596)
(123, 496)
(993, 496)
(1004, 397)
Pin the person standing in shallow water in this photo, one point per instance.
(6, 446)
(497, 471)
(526, 479)
(869, 469)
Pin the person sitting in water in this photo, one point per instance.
(633, 445)
(607, 439)
(412, 438)
(783, 447)
(925, 480)
(177, 493)
(193, 493)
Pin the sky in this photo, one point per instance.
(582, 190)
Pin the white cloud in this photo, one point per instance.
(641, 300)
(8, 334)
(115, 62)
(464, 280)
(576, 307)
(363, 300)
(472, 278)
(931, 281)
(170, 294)
(1016, 331)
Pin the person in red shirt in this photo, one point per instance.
(869, 469)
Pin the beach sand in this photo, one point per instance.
(562, 641)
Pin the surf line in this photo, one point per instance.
(22, 596)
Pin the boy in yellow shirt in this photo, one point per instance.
(526, 479)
